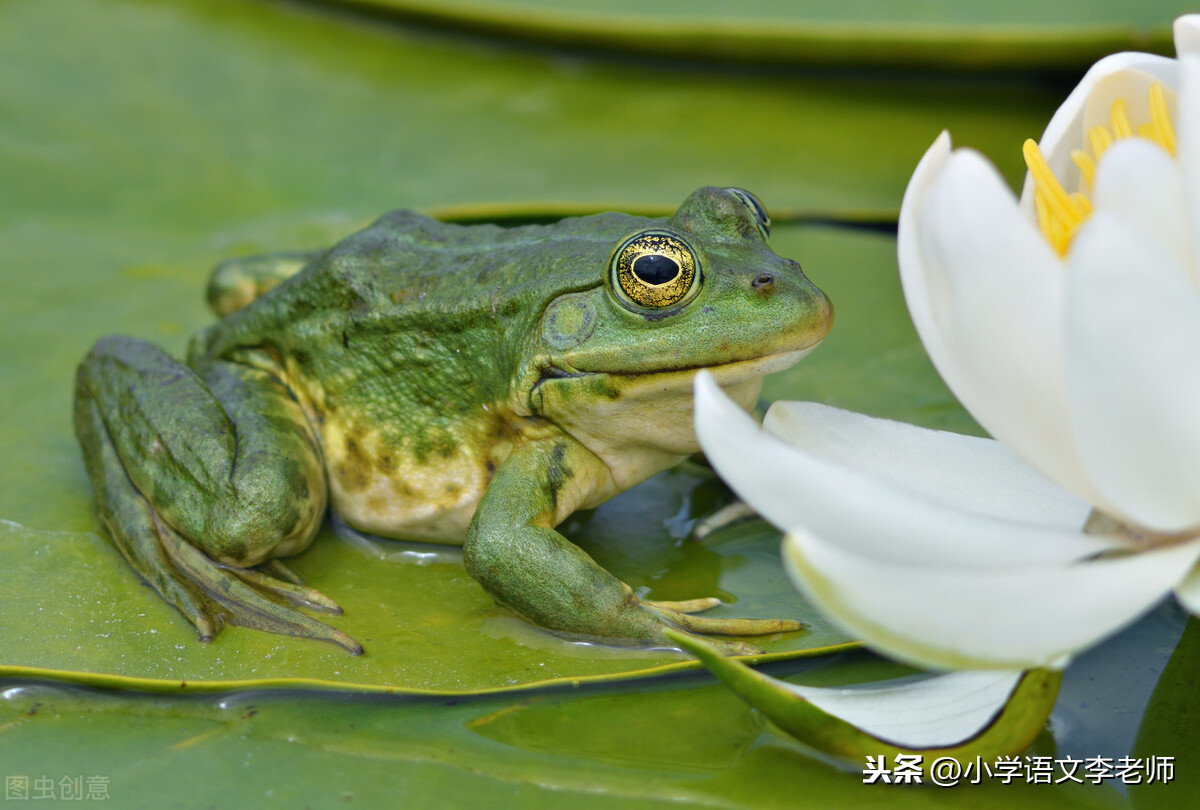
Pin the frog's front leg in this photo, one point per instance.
(513, 550)
(202, 477)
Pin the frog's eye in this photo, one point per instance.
(655, 269)
(761, 218)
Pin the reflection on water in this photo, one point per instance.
(642, 536)
(399, 551)
(502, 625)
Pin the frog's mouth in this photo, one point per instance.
(726, 373)
(620, 413)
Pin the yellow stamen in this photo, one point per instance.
(1064, 213)
(1060, 214)
(1120, 121)
(1043, 212)
(1100, 139)
(1087, 166)
(1052, 228)
(1161, 117)
(1060, 237)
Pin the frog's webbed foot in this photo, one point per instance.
(208, 594)
(678, 616)
(200, 479)
(247, 597)
(679, 613)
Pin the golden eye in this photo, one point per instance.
(655, 269)
(761, 218)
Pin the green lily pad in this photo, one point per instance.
(855, 33)
(1170, 730)
(669, 743)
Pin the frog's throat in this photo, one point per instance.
(638, 424)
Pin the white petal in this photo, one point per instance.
(965, 472)
(1187, 139)
(1132, 333)
(1140, 183)
(1188, 591)
(1187, 34)
(1018, 617)
(791, 488)
(985, 292)
(914, 267)
(935, 712)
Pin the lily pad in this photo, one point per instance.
(669, 743)
(1168, 741)
(855, 33)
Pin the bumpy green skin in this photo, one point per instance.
(457, 384)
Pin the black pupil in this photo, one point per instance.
(655, 269)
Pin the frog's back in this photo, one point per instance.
(409, 267)
(402, 343)
(450, 270)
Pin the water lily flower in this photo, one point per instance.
(1068, 324)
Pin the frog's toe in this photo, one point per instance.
(721, 627)
(288, 584)
(678, 614)
(725, 516)
(290, 590)
(278, 570)
(687, 606)
(194, 607)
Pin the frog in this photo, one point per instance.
(463, 384)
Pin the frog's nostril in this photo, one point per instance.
(763, 283)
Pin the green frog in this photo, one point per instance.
(462, 384)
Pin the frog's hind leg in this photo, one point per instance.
(201, 479)
(236, 282)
